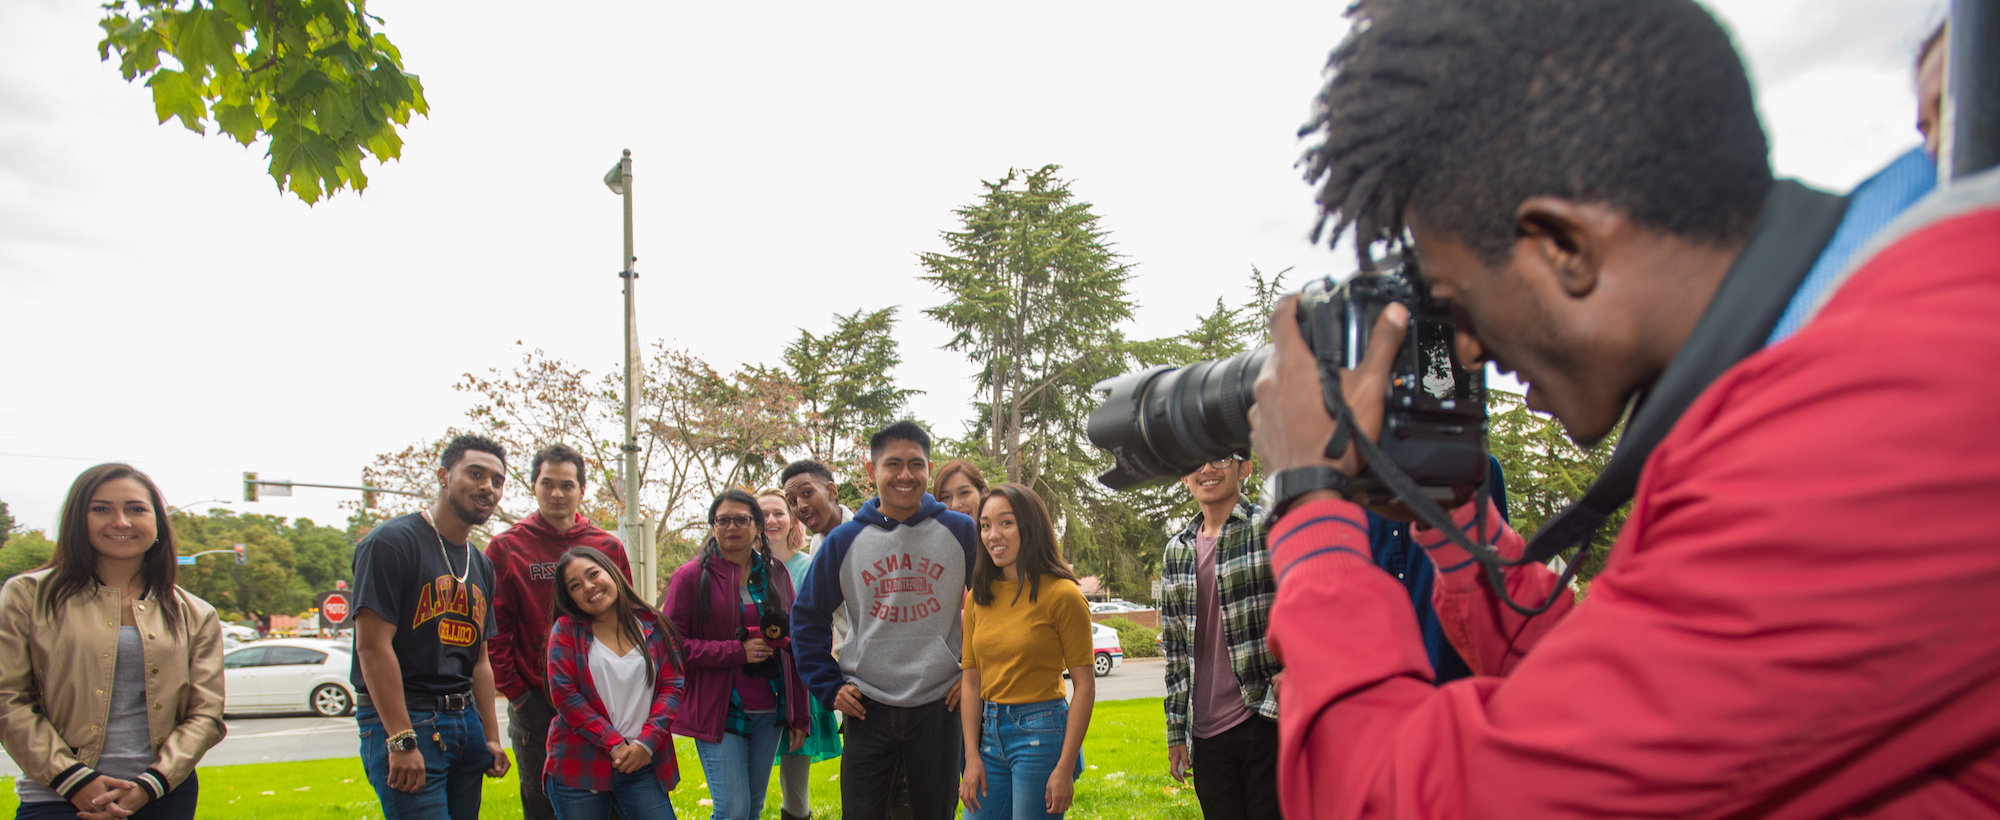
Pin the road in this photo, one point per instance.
(266, 738)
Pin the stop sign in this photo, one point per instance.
(335, 608)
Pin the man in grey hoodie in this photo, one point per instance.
(900, 565)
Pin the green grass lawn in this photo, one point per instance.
(1125, 755)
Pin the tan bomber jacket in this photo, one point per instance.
(56, 674)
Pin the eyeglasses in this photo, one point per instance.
(723, 522)
(1219, 464)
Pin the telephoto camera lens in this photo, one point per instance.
(1163, 423)
(1166, 422)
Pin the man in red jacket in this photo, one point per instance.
(1799, 618)
(524, 566)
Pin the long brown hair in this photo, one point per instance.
(1035, 557)
(795, 537)
(75, 561)
(628, 606)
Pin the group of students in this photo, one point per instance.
(801, 632)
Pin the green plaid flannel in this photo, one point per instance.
(1246, 590)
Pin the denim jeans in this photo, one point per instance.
(739, 768)
(455, 761)
(1020, 745)
(178, 804)
(637, 796)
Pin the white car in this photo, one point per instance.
(289, 674)
(243, 634)
(1106, 652)
(1104, 607)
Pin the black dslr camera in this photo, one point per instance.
(1165, 422)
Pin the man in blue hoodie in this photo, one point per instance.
(900, 565)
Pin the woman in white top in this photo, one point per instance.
(615, 681)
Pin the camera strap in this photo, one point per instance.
(1792, 229)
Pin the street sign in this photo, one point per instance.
(185, 560)
(338, 584)
(336, 609)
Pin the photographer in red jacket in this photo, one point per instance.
(524, 577)
(1799, 617)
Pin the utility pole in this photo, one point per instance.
(635, 530)
(1972, 91)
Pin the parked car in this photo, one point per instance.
(1107, 652)
(242, 633)
(288, 674)
(1114, 606)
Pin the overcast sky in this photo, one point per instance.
(162, 303)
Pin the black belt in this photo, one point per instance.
(418, 702)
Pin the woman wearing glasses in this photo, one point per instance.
(743, 698)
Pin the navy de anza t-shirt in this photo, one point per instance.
(401, 573)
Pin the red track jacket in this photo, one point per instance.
(1800, 619)
(524, 566)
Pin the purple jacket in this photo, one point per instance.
(710, 652)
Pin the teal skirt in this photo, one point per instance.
(824, 742)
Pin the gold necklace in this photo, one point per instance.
(447, 556)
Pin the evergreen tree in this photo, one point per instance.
(844, 381)
(1035, 297)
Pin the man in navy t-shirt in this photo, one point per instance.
(423, 612)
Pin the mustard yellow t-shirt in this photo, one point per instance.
(1020, 647)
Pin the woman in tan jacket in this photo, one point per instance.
(110, 675)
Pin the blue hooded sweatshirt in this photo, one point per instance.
(904, 585)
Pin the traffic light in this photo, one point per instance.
(249, 488)
(241, 556)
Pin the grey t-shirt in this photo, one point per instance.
(128, 750)
(1218, 696)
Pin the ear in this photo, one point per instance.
(1565, 240)
(443, 472)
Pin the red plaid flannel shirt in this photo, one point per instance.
(581, 737)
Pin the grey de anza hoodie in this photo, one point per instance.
(903, 583)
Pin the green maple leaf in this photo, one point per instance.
(239, 121)
(205, 41)
(318, 82)
(174, 95)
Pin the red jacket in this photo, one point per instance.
(524, 566)
(1800, 619)
(581, 737)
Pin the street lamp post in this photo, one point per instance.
(635, 530)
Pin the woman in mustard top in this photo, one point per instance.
(1025, 623)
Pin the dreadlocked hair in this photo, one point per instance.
(1459, 110)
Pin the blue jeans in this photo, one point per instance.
(1020, 745)
(178, 804)
(455, 760)
(739, 768)
(638, 796)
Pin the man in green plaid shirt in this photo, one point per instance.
(1217, 590)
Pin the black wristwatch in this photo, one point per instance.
(1288, 485)
(403, 741)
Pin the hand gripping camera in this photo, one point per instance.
(1165, 422)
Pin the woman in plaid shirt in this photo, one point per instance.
(615, 681)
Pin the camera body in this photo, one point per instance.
(1164, 423)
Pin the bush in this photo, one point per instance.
(1135, 640)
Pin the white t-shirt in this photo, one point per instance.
(621, 685)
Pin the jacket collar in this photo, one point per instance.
(1243, 512)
